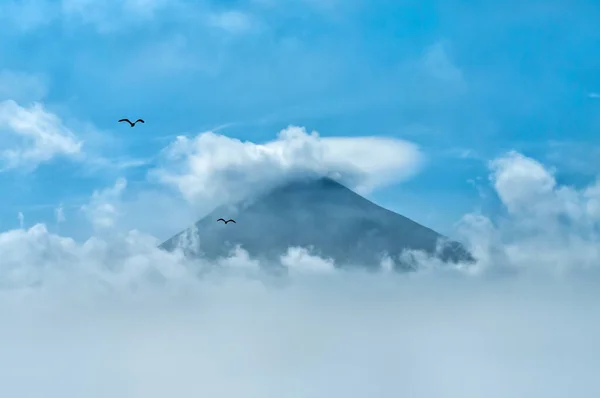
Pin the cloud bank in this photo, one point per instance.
(121, 318)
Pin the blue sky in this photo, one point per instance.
(464, 83)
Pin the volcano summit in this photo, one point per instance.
(321, 215)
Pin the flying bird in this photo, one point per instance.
(129, 121)
(220, 219)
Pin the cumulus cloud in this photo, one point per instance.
(32, 136)
(547, 225)
(35, 256)
(521, 181)
(529, 190)
(212, 166)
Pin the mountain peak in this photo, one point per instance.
(320, 214)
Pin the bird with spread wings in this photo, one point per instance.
(129, 121)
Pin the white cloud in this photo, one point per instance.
(521, 181)
(547, 225)
(21, 87)
(40, 136)
(528, 190)
(239, 260)
(103, 209)
(299, 260)
(215, 167)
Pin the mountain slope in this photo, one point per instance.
(320, 214)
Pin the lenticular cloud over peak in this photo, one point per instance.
(212, 165)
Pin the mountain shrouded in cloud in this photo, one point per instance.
(319, 215)
(115, 311)
(480, 95)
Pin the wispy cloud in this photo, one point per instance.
(117, 164)
(40, 135)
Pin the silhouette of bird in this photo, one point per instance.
(129, 121)
(230, 220)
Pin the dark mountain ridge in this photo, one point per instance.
(321, 215)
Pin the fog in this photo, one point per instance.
(124, 320)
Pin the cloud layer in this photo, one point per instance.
(116, 316)
(120, 318)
